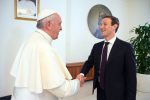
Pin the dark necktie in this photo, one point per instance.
(103, 65)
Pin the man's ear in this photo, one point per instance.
(115, 26)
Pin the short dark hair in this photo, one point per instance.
(114, 20)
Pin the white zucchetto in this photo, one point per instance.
(45, 13)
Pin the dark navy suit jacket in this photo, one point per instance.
(120, 71)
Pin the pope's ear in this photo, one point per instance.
(49, 24)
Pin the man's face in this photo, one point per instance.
(106, 28)
(56, 27)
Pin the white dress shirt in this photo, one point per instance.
(110, 45)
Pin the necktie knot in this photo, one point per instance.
(106, 43)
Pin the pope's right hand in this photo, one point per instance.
(81, 78)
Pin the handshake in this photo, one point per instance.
(81, 78)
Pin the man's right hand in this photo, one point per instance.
(81, 78)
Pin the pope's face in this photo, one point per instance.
(56, 27)
(106, 28)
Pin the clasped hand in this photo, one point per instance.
(81, 78)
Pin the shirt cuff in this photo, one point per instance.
(82, 74)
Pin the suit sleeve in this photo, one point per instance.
(89, 63)
(130, 74)
(68, 88)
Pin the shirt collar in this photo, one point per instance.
(111, 41)
(45, 35)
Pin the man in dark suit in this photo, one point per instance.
(114, 65)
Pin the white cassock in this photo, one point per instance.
(39, 72)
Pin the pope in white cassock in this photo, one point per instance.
(39, 72)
